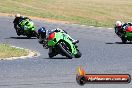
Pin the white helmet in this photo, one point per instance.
(17, 15)
(118, 23)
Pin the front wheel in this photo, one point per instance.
(78, 55)
(64, 49)
(124, 40)
(18, 32)
(51, 55)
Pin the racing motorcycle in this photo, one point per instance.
(61, 44)
(125, 35)
(27, 28)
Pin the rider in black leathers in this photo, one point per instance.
(17, 20)
(120, 27)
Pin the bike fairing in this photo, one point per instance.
(26, 27)
(57, 38)
(56, 35)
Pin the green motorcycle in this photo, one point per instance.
(27, 28)
(62, 44)
(124, 34)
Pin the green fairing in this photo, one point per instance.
(29, 24)
(59, 36)
(128, 36)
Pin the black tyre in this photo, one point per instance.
(65, 50)
(51, 55)
(124, 40)
(78, 55)
(28, 36)
(18, 32)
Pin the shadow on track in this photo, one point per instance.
(57, 58)
(21, 38)
(119, 43)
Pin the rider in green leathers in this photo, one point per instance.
(43, 35)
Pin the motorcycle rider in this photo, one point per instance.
(120, 27)
(17, 20)
(43, 38)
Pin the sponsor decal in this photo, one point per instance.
(83, 78)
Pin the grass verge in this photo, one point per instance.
(89, 12)
(6, 51)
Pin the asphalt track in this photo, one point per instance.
(102, 52)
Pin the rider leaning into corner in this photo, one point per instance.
(17, 20)
(120, 27)
(44, 34)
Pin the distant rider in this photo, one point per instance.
(120, 27)
(43, 38)
(17, 20)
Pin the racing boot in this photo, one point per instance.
(73, 40)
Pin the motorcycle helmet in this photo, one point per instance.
(18, 15)
(42, 32)
(118, 23)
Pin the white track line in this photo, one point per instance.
(30, 55)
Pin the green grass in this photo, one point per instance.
(88, 12)
(6, 51)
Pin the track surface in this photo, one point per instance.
(101, 49)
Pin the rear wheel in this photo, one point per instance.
(78, 55)
(64, 49)
(29, 34)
